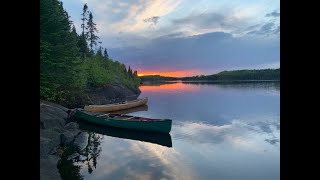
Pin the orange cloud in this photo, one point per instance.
(181, 73)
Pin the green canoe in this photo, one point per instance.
(125, 121)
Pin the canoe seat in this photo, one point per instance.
(103, 115)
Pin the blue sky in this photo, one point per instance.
(197, 37)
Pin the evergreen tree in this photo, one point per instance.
(84, 17)
(135, 73)
(99, 53)
(130, 71)
(91, 34)
(82, 42)
(105, 54)
(60, 68)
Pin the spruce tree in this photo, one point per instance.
(82, 42)
(60, 68)
(105, 54)
(91, 34)
(99, 53)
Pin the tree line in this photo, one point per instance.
(70, 64)
(236, 75)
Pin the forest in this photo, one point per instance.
(73, 61)
(236, 75)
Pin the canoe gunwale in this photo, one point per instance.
(133, 118)
(117, 104)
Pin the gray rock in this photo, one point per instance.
(111, 93)
(48, 168)
(50, 120)
(81, 141)
(75, 132)
(66, 138)
(51, 116)
(73, 128)
(71, 125)
(54, 105)
(49, 139)
(45, 146)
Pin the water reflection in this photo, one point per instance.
(202, 151)
(240, 133)
(219, 131)
(163, 139)
(172, 87)
(68, 164)
(67, 168)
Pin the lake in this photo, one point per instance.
(219, 131)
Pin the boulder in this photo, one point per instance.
(66, 138)
(71, 125)
(51, 116)
(49, 139)
(48, 168)
(73, 128)
(81, 141)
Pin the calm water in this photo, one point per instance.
(219, 131)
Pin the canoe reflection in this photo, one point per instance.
(163, 139)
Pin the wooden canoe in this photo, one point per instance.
(163, 139)
(125, 121)
(116, 106)
(132, 110)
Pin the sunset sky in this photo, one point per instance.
(186, 37)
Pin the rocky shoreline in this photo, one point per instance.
(109, 93)
(59, 134)
(56, 131)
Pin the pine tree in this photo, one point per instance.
(130, 71)
(92, 29)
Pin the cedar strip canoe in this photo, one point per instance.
(125, 121)
(116, 106)
(163, 139)
(132, 110)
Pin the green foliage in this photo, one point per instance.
(264, 74)
(64, 75)
(92, 30)
(105, 54)
(99, 72)
(60, 66)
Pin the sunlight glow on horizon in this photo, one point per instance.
(181, 73)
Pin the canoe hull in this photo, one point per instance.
(162, 126)
(116, 107)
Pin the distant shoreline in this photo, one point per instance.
(205, 81)
(262, 75)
